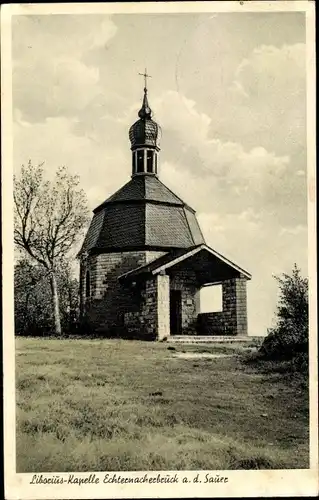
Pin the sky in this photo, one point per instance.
(229, 92)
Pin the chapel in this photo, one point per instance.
(144, 259)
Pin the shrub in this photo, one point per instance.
(289, 338)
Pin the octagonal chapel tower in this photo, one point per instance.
(144, 258)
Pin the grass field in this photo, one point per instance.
(127, 405)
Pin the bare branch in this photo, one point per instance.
(49, 216)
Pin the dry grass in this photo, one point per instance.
(127, 405)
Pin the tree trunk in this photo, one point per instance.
(55, 304)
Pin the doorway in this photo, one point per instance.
(175, 306)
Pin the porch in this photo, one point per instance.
(170, 301)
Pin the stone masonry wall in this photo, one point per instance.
(212, 323)
(154, 319)
(152, 255)
(163, 326)
(186, 282)
(143, 310)
(232, 320)
(148, 311)
(242, 320)
(109, 301)
(154, 313)
(132, 324)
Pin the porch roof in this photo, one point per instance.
(209, 266)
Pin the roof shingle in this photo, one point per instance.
(143, 213)
(143, 187)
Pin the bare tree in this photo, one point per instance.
(49, 218)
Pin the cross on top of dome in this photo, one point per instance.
(145, 78)
(145, 111)
(145, 132)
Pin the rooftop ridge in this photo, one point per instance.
(144, 188)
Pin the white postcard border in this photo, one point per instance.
(240, 483)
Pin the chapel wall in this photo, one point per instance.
(185, 281)
(143, 323)
(232, 320)
(104, 310)
(152, 255)
(163, 320)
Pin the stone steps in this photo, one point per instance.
(207, 339)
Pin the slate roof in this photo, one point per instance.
(144, 132)
(213, 264)
(143, 187)
(144, 213)
(151, 266)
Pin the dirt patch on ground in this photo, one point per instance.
(197, 355)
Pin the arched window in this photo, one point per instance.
(87, 284)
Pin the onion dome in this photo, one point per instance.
(145, 132)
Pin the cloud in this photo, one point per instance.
(294, 231)
(251, 196)
(52, 76)
(271, 69)
(58, 35)
(230, 175)
(234, 133)
(262, 249)
(273, 110)
(55, 89)
(101, 169)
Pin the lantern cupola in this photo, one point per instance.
(145, 135)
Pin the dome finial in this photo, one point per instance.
(145, 79)
(145, 111)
